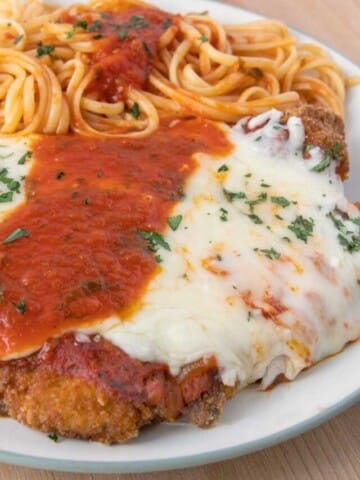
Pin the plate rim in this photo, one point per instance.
(197, 459)
(135, 466)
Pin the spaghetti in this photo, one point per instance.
(118, 68)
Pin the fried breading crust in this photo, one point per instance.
(323, 129)
(61, 390)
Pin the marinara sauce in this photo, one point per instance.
(87, 199)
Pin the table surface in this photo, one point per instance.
(331, 451)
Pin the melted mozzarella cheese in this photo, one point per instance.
(257, 275)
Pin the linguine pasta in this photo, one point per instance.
(200, 68)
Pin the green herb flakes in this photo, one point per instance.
(21, 306)
(6, 197)
(270, 253)
(174, 222)
(135, 110)
(18, 39)
(223, 168)
(302, 227)
(24, 157)
(53, 437)
(231, 196)
(282, 201)
(15, 235)
(320, 167)
(224, 215)
(256, 219)
(44, 50)
(154, 240)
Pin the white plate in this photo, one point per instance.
(251, 421)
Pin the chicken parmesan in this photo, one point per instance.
(173, 224)
(149, 286)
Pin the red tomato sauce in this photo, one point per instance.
(126, 48)
(86, 201)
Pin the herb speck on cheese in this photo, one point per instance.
(174, 222)
(302, 227)
(223, 168)
(224, 215)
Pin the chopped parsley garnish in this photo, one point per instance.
(18, 39)
(21, 306)
(15, 235)
(282, 201)
(174, 222)
(44, 50)
(12, 184)
(158, 259)
(167, 23)
(81, 24)
(137, 22)
(279, 217)
(224, 215)
(135, 110)
(23, 158)
(334, 151)
(59, 175)
(350, 243)
(270, 253)
(331, 153)
(6, 197)
(122, 34)
(249, 316)
(223, 168)
(248, 175)
(257, 139)
(147, 49)
(302, 227)
(231, 196)
(336, 221)
(348, 239)
(94, 27)
(265, 185)
(218, 258)
(256, 219)
(323, 164)
(203, 38)
(53, 437)
(154, 240)
(260, 199)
